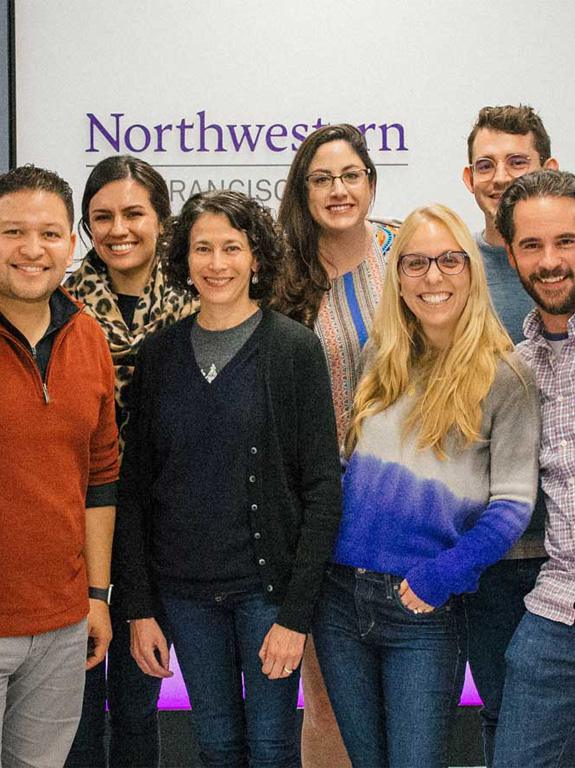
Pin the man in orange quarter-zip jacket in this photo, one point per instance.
(58, 474)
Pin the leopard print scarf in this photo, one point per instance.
(159, 305)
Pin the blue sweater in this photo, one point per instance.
(510, 300)
(437, 523)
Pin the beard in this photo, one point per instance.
(563, 305)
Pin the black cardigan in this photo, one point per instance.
(295, 508)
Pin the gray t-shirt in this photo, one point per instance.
(215, 349)
(511, 301)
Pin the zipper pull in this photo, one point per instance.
(45, 390)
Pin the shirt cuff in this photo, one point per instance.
(102, 495)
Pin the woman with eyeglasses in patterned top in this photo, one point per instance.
(332, 284)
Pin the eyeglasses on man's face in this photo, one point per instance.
(418, 264)
(351, 178)
(484, 168)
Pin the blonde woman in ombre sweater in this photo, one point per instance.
(440, 483)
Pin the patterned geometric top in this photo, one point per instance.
(554, 594)
(344, 320)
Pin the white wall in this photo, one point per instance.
(428, 65)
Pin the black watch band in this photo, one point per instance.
(97, 593)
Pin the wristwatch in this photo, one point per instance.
(98, 593)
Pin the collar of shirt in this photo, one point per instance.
(61, 310)
(533, 328)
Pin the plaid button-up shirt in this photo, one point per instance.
(554, 593)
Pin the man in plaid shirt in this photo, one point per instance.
(536, 218)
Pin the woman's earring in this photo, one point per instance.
(255, 278)
(189, 281)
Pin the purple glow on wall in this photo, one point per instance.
(174, 695)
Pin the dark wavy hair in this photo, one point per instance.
(38, 179)
(267, 241)
(306, 280)
(546, 183)
(116, 168)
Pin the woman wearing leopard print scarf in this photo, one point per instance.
(126, 215)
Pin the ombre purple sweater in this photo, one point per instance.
(440, 523)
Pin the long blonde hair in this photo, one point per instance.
(449, 384)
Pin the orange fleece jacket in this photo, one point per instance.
(49, 453)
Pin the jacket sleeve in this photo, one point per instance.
(103, 469)
(319, 473)
(133, 588)
(514, 452)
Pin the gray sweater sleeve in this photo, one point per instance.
(511, 424)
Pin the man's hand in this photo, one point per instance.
(149, 647)
(411, 600)
(99, 632)
(281, 651)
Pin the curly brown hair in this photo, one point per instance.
(267, 241)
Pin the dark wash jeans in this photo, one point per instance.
(216, 640)
(393, 677)
(537, 720)
(132, 698)
(493, 613)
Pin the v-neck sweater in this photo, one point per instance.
(287, 467)
(210, 432)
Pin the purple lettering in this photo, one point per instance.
(297, 135)
(364, 128)
(384, 128)
(145, 135)
(212, 127)
(319, 124)
(160, 129)
(114, 141)
(276, 131)
(246, 136)
(182, 128)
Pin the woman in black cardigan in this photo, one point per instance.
(230, 492)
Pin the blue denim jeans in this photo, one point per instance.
(537, 717)
(132, 699)
(494, 612)
(216, 640)
(393, 677)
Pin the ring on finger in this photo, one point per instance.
(288, 671)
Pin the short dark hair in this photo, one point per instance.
(266, 239)
(546, 183)
(118, 167)
(510, 119)
(33, 178)
(310, 279)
